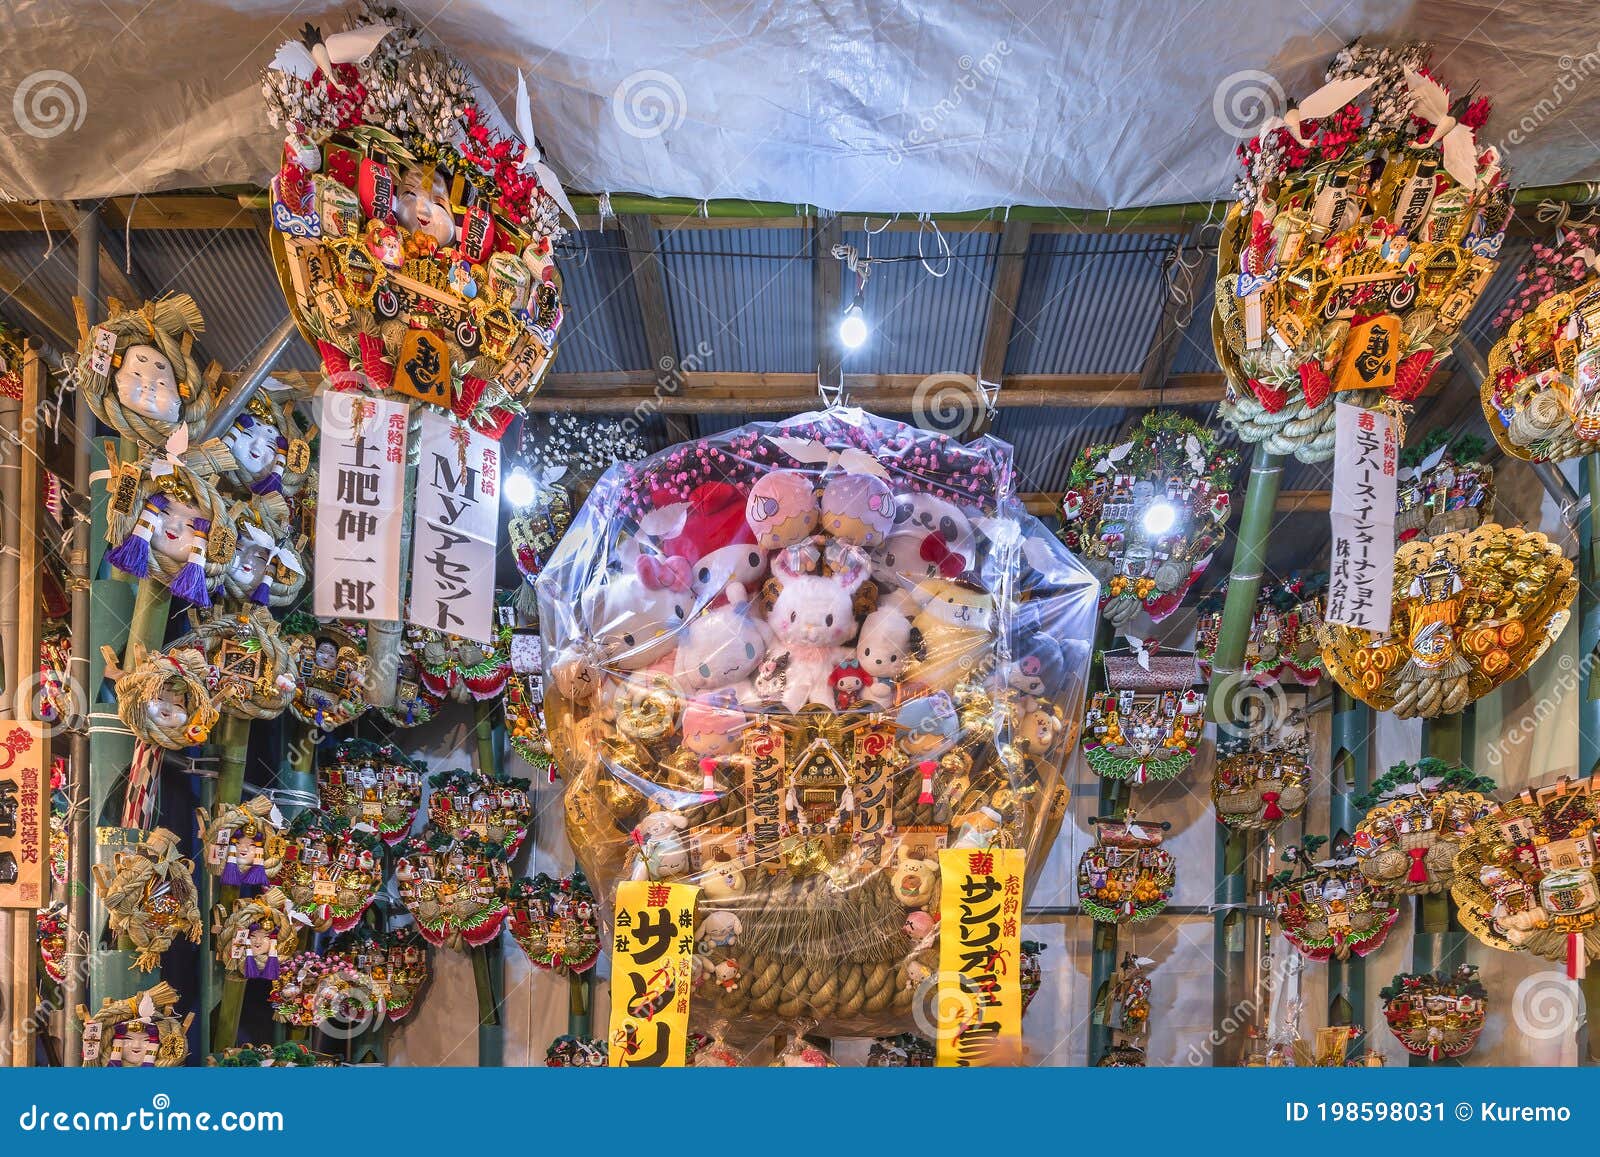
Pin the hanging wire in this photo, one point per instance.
(944, 245)
(127, 237)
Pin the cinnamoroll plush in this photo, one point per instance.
(722, 648)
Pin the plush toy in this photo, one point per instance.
(954, 629)
(812, 620)
(849, 685)
(858, 509)
(729, 574)
(713, 517)
(884, 645)
(929, 726)
(722, 880)
(719, 929)
(662, 854)
(636, 617)
(711, 729)
(925, 514)
(722, 648)
(782, 509)
(914, 879)
(1037, 668)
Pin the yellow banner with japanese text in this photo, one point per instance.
(980, 954)
(652, 963)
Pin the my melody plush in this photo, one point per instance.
(813, 619)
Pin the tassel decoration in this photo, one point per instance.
(272, 483)
(132, 555)
(1273, 812)
(1419, 871)
(708, 780)
(191, 581)
(926, 768)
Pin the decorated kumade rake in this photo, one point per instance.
(790, 664)
(288, 1055)
(331, 670)
(1146, 725)
(413, 240)
(251, 674)
(1282, 645)
(1418, 816)
(524, 705)
(453, 668)
(166, 699)
(50, 932)
(573, 1052)
(1437, 1015)
(1470, 612)
(1525, 877)
(905, 1051)
(150, 897)
(1031, 973)
(1126, 876)
(1326, 908)
(556, 923)
(1123, 1007)
(414, 704)
(1262, 778)
(396, 961)
(142, 1031)
(312, 989)
(1541, 395)
(1367, 226)
(332, 869)
(1443, 487)
(373, 784)
(455, 889)
(493, 808)
(170, 525)
(1146, 515)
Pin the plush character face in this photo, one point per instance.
(720, 930)
(737, 569)
(884, 643)
(709, 730)
(1038, 667)
(636, 619)
(253, 446)
(721, 647)
(899, 561)
(928, 725)
(177, 534)
(782, 508)
(925, 514)
(661, 825)
(954, 603)
(424, 206)
(913, 879)
(722, 880)
(147, 384)
(858, 508)
(169, 708)
(816, 610)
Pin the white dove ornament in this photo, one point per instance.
(1431, 102)
(1326, 101)
(546, 177)
(313, 51)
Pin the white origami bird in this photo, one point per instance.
(1431, 102)
(1326, 101)
(313, 51)
(546, 176)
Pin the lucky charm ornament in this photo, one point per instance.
(150, 896)
(1126, 877)
(167, 699)
(332, 868)
(556, 922)
(331, 670)
(258, 934)
(455, 889)
(170, 525)
(1146, 725)
(1444, 487)
(1437, 1015)
(244, 845)
(372, 783)
(1418, 816)
(139, 375)
(141, 1031)
(494, 808)
(1262, 777)
(1326, 908)
(251, 674)
(396, 960)
(1282, 645)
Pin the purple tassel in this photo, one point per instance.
(231, 877)
(269, 971)
(273, 482)
(190, 583)
(255, 874)
(262, 594)
(132, 555)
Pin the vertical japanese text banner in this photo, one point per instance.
(1361, 564)
(979, 1000)
(652, 966)
(361, 486)
(24, 814)
(453, 535)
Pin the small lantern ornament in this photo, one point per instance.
(1470, 612)
(150, 896)
(1326, 908)
(493, 808)
(373, 784)
(556, 922)
(1146, 726)
(1365, 231)
(142, 1031)
(1525, 877)
(1444, 487)
(1261, 778)
(455, 889)
(244, 845)
(1282, 645)
(1127, 876)
(1418, 816)
(1437, 1015)
(331, 869)
(139, 375)
(1146, 515)
(258, 934)
(331, 670)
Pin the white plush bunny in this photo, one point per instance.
(722, 648)
(813, 618)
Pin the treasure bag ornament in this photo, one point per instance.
(1126, 877)
(1146, 725)
(1326, 908)
(1368, 224)
(1418, 816)
(1470, 612)
(787, 665)
(1437, 1015)
(1260, 780)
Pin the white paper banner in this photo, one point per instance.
(361, 486)
(453, 536)
(1366, 459)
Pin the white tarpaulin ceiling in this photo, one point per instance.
(935, 105)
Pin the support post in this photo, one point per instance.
(12, 995)
(1438, 940)
(488, 962)
(1112, 802)
(1349, 775)
(1589, 622)
(1244, 585)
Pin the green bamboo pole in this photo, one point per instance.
(1112, 803)
(233, 747)
(1438, 940)
(1230, 947)
(1244, 585)
(488, 962)
(1350, 776)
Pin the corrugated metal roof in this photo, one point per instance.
(600, 331)
(740, 299)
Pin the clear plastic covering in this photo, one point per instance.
(790, 663)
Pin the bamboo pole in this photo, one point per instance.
(1244, 585)
(233, 745)
(1350, 775)
(488, 961)
(1438, 940)
(1111, 803)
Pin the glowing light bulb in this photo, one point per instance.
(520, 490)
(1159, 517)
(852, 328)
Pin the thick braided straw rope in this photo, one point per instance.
(270, 910)
(138, 688)
(150, 897)
(169, 325)
(171, 1031)
(251, 816)
(191, 485)
(265, 697)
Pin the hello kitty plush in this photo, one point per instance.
(884, 645)
(782, 509)
(928, 514)
(722, 648)
(812, 620)
(636, 616)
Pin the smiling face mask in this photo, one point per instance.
(147, 384)
(177, 533)
(254, 445)
(169, 709)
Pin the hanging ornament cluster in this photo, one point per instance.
(50, 932)
(1146, 725)
(556, 922)
(396, 961)
(413, 237)
(791, 664)
(1444, 487)
(1541, 395)
(1126, 877)
(493, 808)
(524, 705)
(150, 896)
(257, 934)
(1282, 645)
(332, 869)
(905, 1051)
(1525, 877)
(1418, 816)
(1123, 1008)
(461, 670)
(313, 989)
(142, 1031)
(251, 675)
(1368, 223)
(1326, 908)
(371, 783)
(456, 889)
(576, 1052)
(1437, 1015)
(1263, 777)
(1146, 514)
(1470, 612)
(331, 670)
